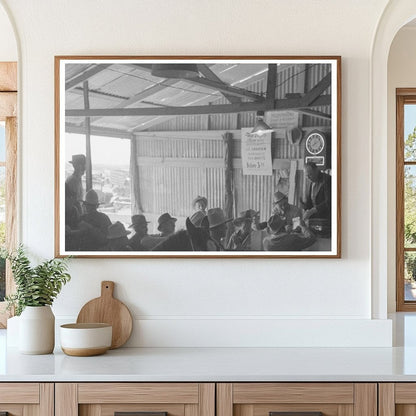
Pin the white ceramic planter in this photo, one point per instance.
(37, 330)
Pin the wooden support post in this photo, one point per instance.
(228, 165)
(136, 207)
(88, 170)
(292, 181)
(271, 83)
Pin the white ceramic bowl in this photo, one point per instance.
(84, 340)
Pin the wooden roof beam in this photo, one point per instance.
(310, 97)
(225, 88)
(97, 131)
(213, 84)
(312, 113)
(283, 104)
(143, 94)
(207, 73)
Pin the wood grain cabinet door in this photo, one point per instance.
(26, 399)
(297, 399)
(397, 399)
(135, 399)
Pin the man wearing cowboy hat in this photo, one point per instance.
(282, 240)
(139, 225)
(167, 224)
(97, 223)
(283, 209)
(74, 181)
(318, 193)
(216, 223)
(240, 239)
(117, 237)
(166, 227)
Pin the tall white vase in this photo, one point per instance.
(37, 330)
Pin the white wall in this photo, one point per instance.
(401, 74)
(203, 302)
(8, 46)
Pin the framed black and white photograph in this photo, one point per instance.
(198, 156)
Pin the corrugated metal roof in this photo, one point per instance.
(130, 85)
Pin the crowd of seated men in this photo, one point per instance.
(288, 229)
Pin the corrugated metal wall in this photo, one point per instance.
(171, 185)
(167, 188)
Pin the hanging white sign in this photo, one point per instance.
(256, 153)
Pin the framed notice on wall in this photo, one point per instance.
(198, 156)
(256, 153)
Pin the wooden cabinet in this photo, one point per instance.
(264, 399)
(108, 399)
(208, 399)
(27, 399)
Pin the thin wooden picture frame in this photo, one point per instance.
(404, 290)
(216, 156)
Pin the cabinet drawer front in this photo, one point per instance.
(341, 393)
(405, 393)
(293, 409)
(112, 409)
(19, 393)
(138, 393)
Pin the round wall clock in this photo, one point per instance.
(317, 149)
(315, 143)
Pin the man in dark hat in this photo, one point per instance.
(74, 181)
(117, 237)
(281, 240)
(286, 211)
(96, 224)
(240, 239)
(318, 193)
(166, 227)
(216, 223)
(167, 224)
(139, 225)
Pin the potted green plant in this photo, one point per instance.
(36, 289)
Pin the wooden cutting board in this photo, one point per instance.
(108, 310)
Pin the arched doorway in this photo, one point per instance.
(396, 15)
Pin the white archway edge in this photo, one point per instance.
(9, 46)
(395, 16)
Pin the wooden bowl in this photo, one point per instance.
(84, 340)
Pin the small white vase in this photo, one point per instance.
(37, 330)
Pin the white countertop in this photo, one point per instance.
(215, 364)
(221, 364)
